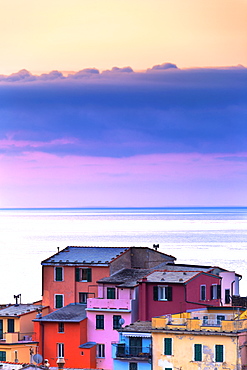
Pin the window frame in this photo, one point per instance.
(166, 294)
(168, 346)
(217, 353)
(227, 296)
(203, 293)
(195, 352)
(11, 326)
(60, 327)
(60, 350)
(133, 366)
(58, 268)
(115, 322)
(55, 300)
(80, 272)
(100, 322)
(3, 355)
(85, 295)
(100, 353)
(110, 293)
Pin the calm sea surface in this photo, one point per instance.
(210, 236)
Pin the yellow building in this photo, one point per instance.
(203, 339)
(16, 331)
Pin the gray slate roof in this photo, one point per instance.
(85, 255)
(171, 276)
(138, 326)
(125, 278)
(20, 309)
(74, 312)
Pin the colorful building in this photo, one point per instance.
(166, 292)
(133, 351)
(17, 339)
(63, 334)
(202, 339)
(71, 275)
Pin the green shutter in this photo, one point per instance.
(11, 325)
(169, 293)
(77, 274)
(219, 291)
(59, 273)
(155, 293)
(89, 275)
(2, 356)
(198, 352)
(59, 301)
(219, 353)
(168, 346)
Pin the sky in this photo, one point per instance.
(112, 103)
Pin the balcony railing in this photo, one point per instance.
(102, 303)
(123, 351)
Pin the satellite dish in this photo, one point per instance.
(37, 358)
(121, 321)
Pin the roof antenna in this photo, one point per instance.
(57, 249)
(156, 246)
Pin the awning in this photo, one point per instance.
(143, 335)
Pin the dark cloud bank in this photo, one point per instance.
(122, 113)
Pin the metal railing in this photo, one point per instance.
(123, 351)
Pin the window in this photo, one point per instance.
(205, 320)
(219, 353)
(1, 329)
(220, 318)
(61, 327)
(162, 293)
(110, 293)
(116, 322)
(99, 321)
(60, 350)
(203, 292)
(215, 291)
(197, 352)
(2, 356)
(83, 297)
(11, 325)
(133, 366)
(168, 346)
(83, 274)
(100, 350)
(58, 274)
(227, 296)
(58, 300)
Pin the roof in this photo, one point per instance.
(74, 312)
(125, 278)
(163, 276)
(88, 345)
(138, 326)
(19, 309)
(186, 267)
(85, 255)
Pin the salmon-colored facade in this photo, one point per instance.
(68, 287)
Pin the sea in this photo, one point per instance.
(205, 236)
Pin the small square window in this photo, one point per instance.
(61, 327)
(83, 297)
(110, 293)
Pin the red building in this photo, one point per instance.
(165, 292)
(63, 333)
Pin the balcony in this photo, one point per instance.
(108, 304)
(131, 352)
(15, 337)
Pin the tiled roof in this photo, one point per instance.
(170, 276)
(74, 312)
(125, 278)
(138, 326)
(18, 310)
(85, 255)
